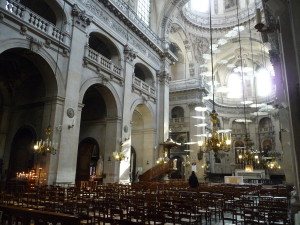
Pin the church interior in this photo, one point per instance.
(108, 106)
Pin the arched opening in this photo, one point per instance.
(142, 137)
(21, 157)
(143, 73)
(27, 82)
(177, 112)
(41, 8)
(87, 158)
(99, 122)
(265, 124)
(105, 47)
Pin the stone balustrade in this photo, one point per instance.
(34, 21)
(101, 61)
(143, 86)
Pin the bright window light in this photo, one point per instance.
(263, 83)
(143, 11)
(234, 86)
(200, 6)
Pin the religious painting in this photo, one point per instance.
(230, 5)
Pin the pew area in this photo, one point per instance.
(146, 203)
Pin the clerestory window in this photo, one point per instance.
(143, 11)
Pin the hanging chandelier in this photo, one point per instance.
(217, 140)
(119, 156)
(249, 158)
(273, 164)
(47, 145)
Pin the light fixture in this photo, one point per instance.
(119, 156)
(47, 145)
(214, 141)
(273, 164)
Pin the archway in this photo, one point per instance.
(27, 85)
(21, 157)
(99, 121)
(87, 158)
(142, 137)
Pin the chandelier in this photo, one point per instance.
(217, 140)
(119, 156)
(47, 145)
(273, 164)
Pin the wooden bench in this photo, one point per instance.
(13, 214)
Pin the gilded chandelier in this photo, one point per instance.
(47, 145)
(119, 156)
(217, 140)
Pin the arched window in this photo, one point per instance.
(234, 86)
(263, 83)
(200, 6)
(177, 112)
(143, 10)
(265, 124)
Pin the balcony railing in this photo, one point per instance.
(132, 16)
(181, 85)
(33, 20)
(100, 60)
(177, 120)
(144, 87)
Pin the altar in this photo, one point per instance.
(255, 174)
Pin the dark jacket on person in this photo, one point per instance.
(193, 180)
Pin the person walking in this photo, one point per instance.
(193, 180)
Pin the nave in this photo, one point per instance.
(147, 203)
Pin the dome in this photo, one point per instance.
(224, 12)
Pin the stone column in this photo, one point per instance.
(162, 107)
(67, 154)
(124, 170)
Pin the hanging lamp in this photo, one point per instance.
(216, 140)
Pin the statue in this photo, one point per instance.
(99, 167)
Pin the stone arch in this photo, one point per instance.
(177, 112)
(104, 45)
(87, 158)
(143, 134)
(52, 11)
(21, 157)
(56, 84)
(112, 97)
(143, 73)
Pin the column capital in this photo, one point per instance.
(129, 54)
(81, 18)
(163, 77)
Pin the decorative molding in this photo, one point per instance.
(23, 29)
(163, 77)
(81, 18)
(1, 16)
(117, 27)
(35, 44)
(129, 54)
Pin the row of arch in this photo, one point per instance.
(23, 90)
